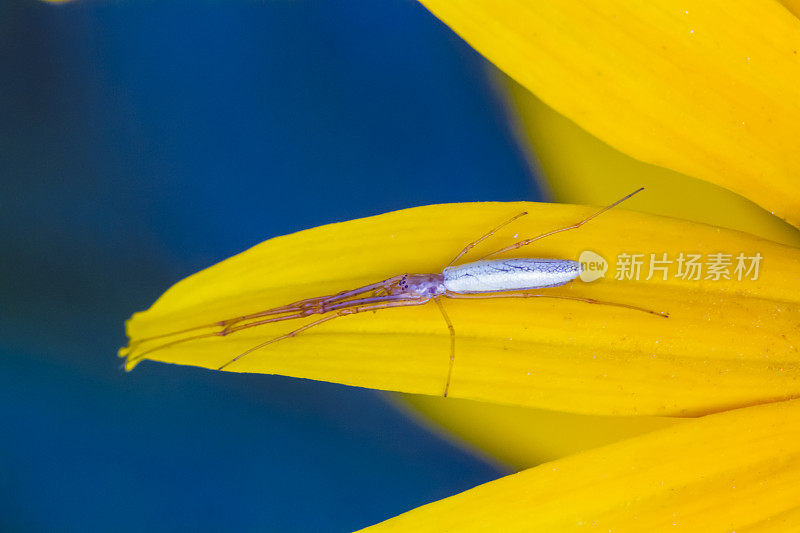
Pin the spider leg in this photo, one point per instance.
(528, 294)
(471, 245)
(340, 313)
(233, 329)
(307, 306)
(577, 225)
(452, 344)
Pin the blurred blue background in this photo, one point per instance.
(142, 142)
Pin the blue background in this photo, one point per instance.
(141, 142)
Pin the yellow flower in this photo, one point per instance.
(669, 85)
(562, 355)
(705, 88)
(580, 168)
(734, 471)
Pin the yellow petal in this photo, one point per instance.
(554, 141)
(522, 437)
(696, 87)
(726, 343)
(793, 6)
(525, 437)
(734, 471)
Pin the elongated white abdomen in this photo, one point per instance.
(495, 275)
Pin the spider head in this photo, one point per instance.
(418, 285)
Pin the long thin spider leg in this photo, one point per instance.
(343, 312)
(301, 305)
(324, 309)
(452, 344)
(577, 225)
(526, 294)
(227, 322)
(381, 285)
(221, 333)
(137, 342)
(308, 312)
(474, 243)
(369, 301)
(317, 302)
(302, 314)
